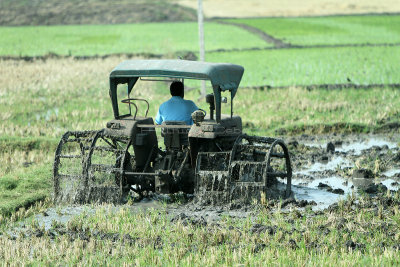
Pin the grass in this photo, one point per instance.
(288, 67)
(55, 96)
(358, 231)
(40, 100)
(330, 30)
(24, 187)
(294, 110)
(36, 107)
(156, 38)
(18, 153)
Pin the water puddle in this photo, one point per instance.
(335, 182)
(391, 184)
(317, 189)
(392, 172)
(52, 215)
(318, 181)
(61, 215)
(323, 198)
(318, 144)
(356, 147)
(359, 146)
(334, 163)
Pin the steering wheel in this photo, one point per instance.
(131, 101)
(205, 113)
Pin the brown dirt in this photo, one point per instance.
(266, 37)
(280, 44)
(52, 12)
(278, 8)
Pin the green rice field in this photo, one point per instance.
(286, 67)
(330, 30)
(88, 40)
(41, 98)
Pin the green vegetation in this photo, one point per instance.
(156, 38)
(296, 110)
(44, 111)
(358, 231)
(285, 67)
(330, 30)
(24, 187)
(20, 153)
(38, 113)
(25, 171)
(40, 100)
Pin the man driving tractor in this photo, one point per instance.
(176, 108)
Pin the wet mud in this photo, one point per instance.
(329, 86)
(340, 218)
(326, 169)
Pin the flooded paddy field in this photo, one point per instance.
(326, 170)
(344, 207)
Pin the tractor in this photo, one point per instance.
(212, 159)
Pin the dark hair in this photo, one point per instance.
(176, 89)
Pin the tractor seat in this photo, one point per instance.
(175, 137)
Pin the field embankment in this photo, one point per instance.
(53, 12)
(333, 30)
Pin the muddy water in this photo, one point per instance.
(323, 198)
(359, 146)
(319, 178)
(332, 164)
(392, 172)
(326, 177)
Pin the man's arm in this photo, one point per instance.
(194, 107)
(159, 118)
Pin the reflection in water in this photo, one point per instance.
(323, 198)
(358, 147)
(334, 182)
(337, 161)
(308, 190)
(392, 172)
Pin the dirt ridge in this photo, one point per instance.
(280, 44)
(264, 36)
(186, 54)
(329, 86)
(291, 46)
(57, 56)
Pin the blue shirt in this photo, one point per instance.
(176, 109)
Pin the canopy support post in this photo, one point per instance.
(200, 20)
